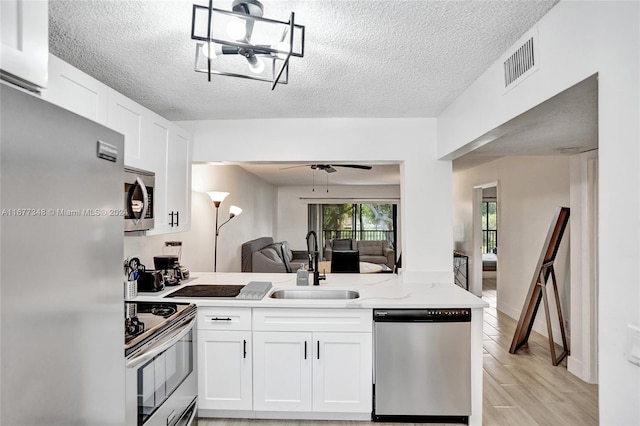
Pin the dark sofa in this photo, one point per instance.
(265, 255)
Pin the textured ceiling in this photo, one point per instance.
(565, 124)
(363, 58)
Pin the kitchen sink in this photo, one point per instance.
(313, 293)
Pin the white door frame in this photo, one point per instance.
(583, 318)
(475, 285)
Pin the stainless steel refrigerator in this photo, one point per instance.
(61, 285)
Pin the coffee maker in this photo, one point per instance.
(166, 264)
(169, 263)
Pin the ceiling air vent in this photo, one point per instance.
(521, 63)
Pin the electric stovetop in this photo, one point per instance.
(255, 290)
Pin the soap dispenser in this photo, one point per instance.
(302, 276)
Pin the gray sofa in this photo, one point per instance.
(374, 251)
(265, 255)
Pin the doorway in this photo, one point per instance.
(489, 227)
(485, 240)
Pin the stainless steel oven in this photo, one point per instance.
(161, 385)
(138, 199)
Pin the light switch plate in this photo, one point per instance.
(632, 347)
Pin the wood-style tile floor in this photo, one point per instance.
(520, 389)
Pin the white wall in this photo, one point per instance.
(530, 189)
(578, 39)
(426, 201)
(257, 198)
(293, 204)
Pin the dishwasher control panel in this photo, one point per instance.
(422, 315)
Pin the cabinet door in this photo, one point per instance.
(127, 117)
(282, 371)
(24, 47)
(76, 91)
(155, 149)
(342, 372)
(179, 180)
(224, 370)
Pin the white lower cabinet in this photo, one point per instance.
(282, 371)
(224, 370)
(225, 354)
(319, 361)
(342, 372)
(315, 362)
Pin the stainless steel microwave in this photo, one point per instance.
(138, 199)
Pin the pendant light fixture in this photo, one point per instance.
(241, 43)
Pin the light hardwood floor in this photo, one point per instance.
(519, 389)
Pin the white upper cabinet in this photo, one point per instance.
(169, 149)
(24, 50)
(127, 117)
(151, 142)
(179, 180)
(76, 91)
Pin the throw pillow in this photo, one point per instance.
(342, 244)
(270, 253)
(370, 248)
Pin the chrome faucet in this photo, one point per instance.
(313, 258)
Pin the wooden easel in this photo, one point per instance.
(538, 290)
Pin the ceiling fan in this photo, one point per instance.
(329, 168)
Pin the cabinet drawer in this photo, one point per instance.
(269, 319)
(224, 319)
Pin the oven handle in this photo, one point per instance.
(166, 344)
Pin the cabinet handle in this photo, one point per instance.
(318, 352)
(177, 218)
(305, 349)
(220, 319)
(245, 349)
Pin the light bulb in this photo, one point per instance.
(256, 67)
(216, 50)
(236, 29)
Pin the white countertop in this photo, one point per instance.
(376, 291)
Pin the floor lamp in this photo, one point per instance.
(217, 197)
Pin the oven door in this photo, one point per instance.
(161, 382)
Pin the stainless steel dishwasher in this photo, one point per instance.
(422, 365)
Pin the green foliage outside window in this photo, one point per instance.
(358, 221)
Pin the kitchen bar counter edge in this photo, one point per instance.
(376, 291)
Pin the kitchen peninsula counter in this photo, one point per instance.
(384, 291)
(250, 327)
